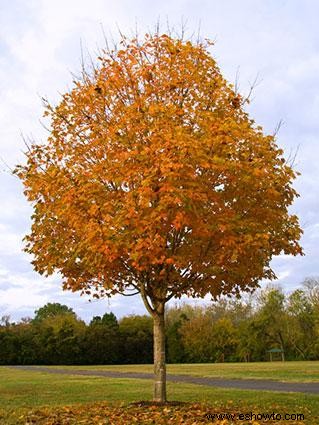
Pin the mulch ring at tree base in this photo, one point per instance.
(140, 413)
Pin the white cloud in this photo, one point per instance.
(10, 242)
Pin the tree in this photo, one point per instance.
(137, 335)
(52, 310)
(311, 285)
(155, 180)
(271, 319)
(197, 335)
(5, 320)
(59, 338)
(301, 324)
(103, 344)
(174, 319)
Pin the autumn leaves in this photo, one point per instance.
(155, 178)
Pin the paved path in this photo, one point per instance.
(245, 384)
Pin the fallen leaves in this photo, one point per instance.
(137, 413)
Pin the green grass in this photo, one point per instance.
(21, 390)
(279, 371)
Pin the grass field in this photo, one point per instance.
(21, 391)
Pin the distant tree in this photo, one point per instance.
(5, 320)
(198, 337)
(311, 288)
(96, 320)
(52, 310)
(9, 345)
(154, 179)
(109, 319)
(69, 341)
(103, 342)
(175, 317)
(301, 324)
(27, 347)
(271, 319)
(137, 334)
(225, 339)
(18, 343)
(60, 337)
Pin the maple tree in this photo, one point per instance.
(155, 180)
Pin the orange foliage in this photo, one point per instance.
(155, 178)
(141, 414)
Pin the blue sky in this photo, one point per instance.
(276, 40)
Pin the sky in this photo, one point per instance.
(275, 41)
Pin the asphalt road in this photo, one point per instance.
(244, 384)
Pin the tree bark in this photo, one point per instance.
(159, 357)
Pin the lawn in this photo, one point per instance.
(23, 391)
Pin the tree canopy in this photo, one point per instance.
(155, 179)
(52, 310)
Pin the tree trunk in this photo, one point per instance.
(282, 347)
(159, 358)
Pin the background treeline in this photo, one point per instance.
(227, 330)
